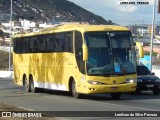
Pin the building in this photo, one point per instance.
(19, 26)
(142, 31)
(27, 24)
(133, 29)
(139, 29)
(156, 29)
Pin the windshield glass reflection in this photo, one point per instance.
(110, 53)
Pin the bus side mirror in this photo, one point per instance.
(153, 73)
(140, 49)
(85, 52)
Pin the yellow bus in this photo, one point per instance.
(79, 58)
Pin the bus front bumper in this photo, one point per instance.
(99, 89)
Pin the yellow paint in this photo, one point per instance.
(57, 68)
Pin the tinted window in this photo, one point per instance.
(50, 43)
(59, 42)
(143, 70)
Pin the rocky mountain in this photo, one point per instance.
(50, 10)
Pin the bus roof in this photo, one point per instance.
(78, 27)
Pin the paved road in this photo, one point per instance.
(62, 101)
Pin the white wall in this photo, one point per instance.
(6, 74)
(27, 23)
(157, 72)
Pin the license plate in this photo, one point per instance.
(114, 88)
(150, 85)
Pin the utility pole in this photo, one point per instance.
(158, 6)
(10, 38)
(152, 35)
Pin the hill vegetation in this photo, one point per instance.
(50, 10)
(4, 60)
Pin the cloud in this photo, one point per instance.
(122, 14)
(125, 8)
(151, 2)
(113, 5)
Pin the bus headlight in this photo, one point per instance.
(131, 80)
(94, 82)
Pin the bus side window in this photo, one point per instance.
(31, 44)
(41, 44)
(78, 45)
(69, 42)
(25, 45)
(57, 41)
(78, 52)
(62, 42)
(19, 45)
(15, 45)
(49, 43)
(35, 44)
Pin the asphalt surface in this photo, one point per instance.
(49, 100)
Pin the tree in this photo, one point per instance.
(4, 60)
(4, 2)
(110, 22)
(1, 31)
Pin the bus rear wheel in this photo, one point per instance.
(26, 85)
(74, 91)
(116, 96)
(32, 87)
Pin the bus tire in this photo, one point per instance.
(138, 91)
(74, 91)
(116, 96)
(26, 84)
(32, 87)
(156, 92)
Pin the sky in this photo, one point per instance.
(121, 13)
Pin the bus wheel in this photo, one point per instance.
(156, 92)
(26, 84)
(138, 92)
(33, 88)
(116, 96)
(74, 91)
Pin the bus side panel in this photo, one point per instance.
(48, 70)
(70, 70)
(21, 65)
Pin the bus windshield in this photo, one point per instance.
(110, 53)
